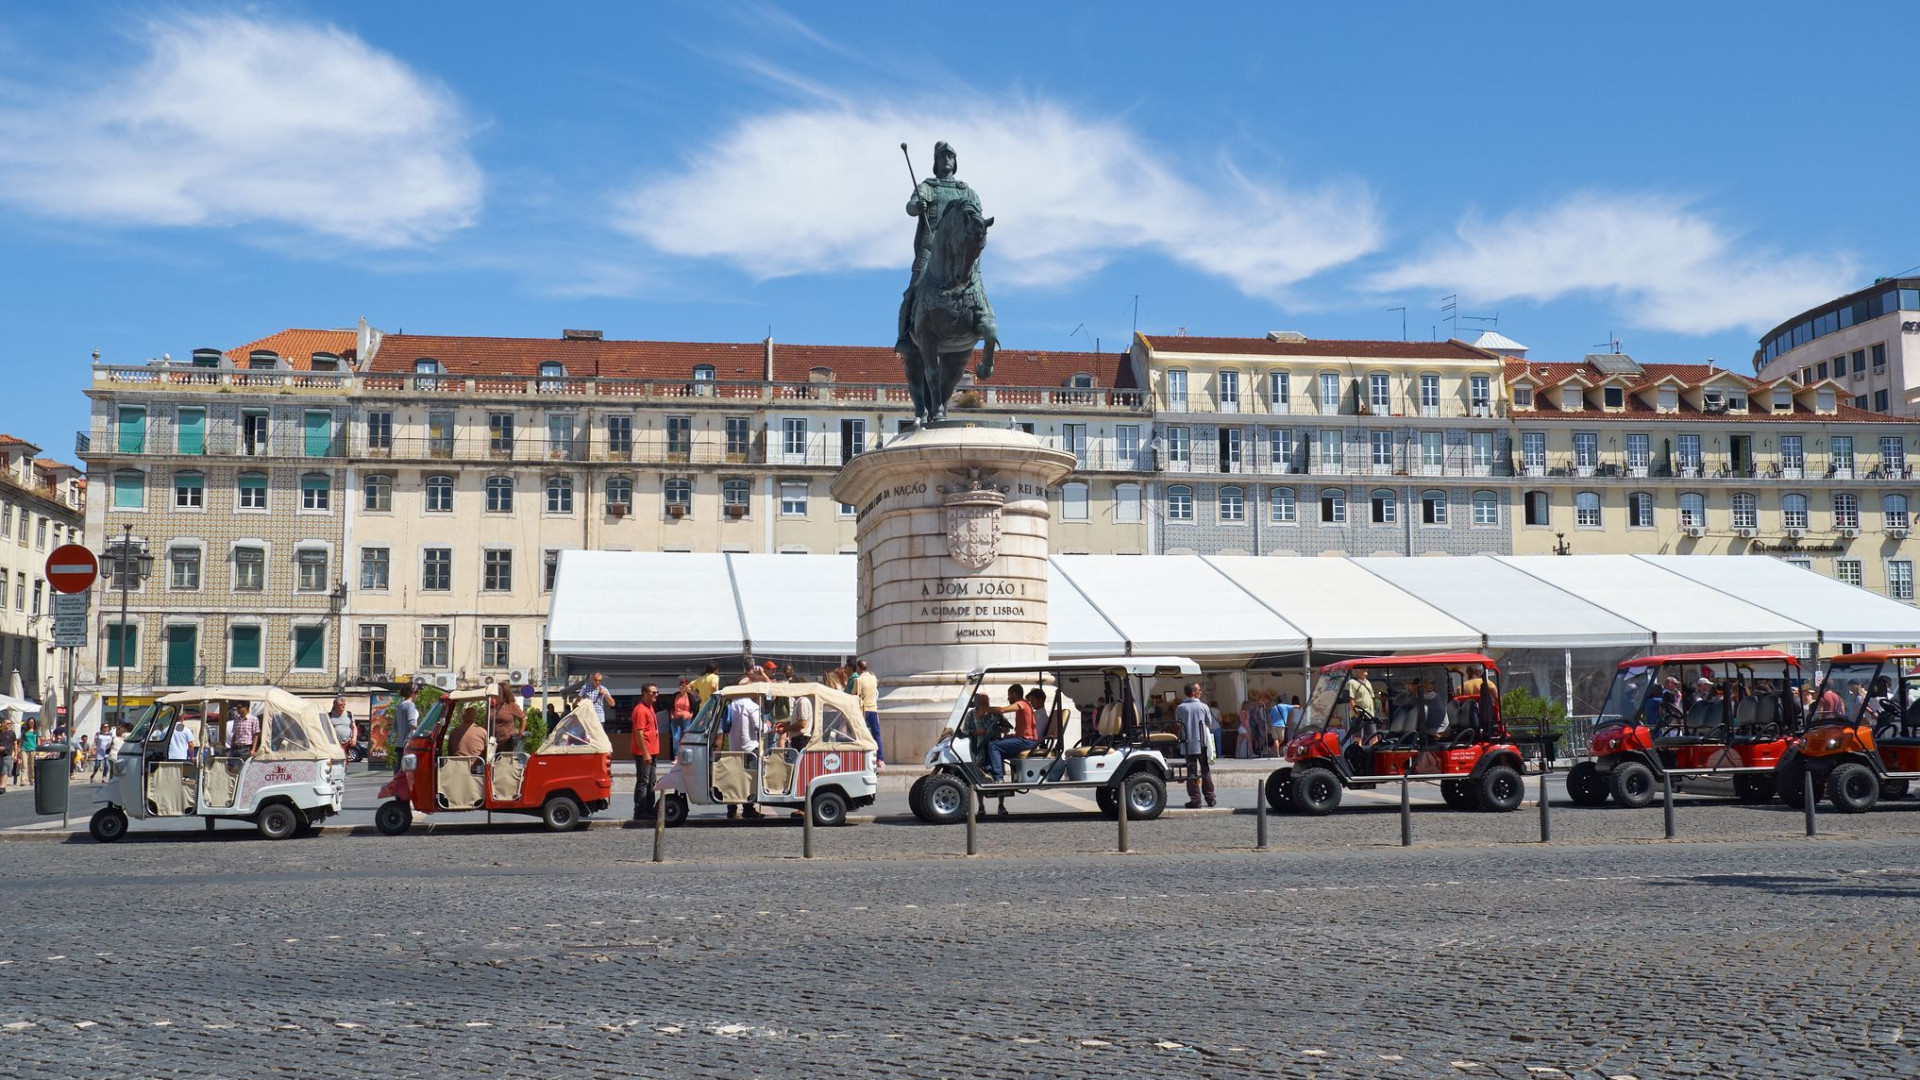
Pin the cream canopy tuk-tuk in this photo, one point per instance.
(836, 765)
(291, 779)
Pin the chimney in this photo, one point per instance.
(581, 335)
(1283, 336)
(768, 376)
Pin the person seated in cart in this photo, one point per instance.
(469, 739)
(1025, 737)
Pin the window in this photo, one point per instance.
(1690, 453)
(249, 569)
(189, 491)
(1127, 441)
(1179, 448)
(793, 500)
(1233, 504)
(738, 436)
(1847, 571)
(243, 649)
(380, 430)
(735, 495)
(434, 641)
(1846, 511)
(1613, 397)
(1228, 386)
(1433, 508)
(1820, 370)
(500, 433)
(1480, 394)
(1073, 501)
(253, 434)
(793, 438)
(1792, 456)
(703, 380)
(123, 645)
(1429, 395)
(440, 434)
(1333, 506)
(1893, 511)
(620, 435)
(1900, 579)
(190, 432)
(1486, 508)
(1533, 450)
(316, 492)
(131, 430)
(1179, 503)
(1879, 356)
(1693, 509)
(1332, 452)
(377, 492)
(1893, 454)
(1279, 391)
(560, 436)
(129, 489)
(1859, 362)
(499, 494)
(373, 650)
(1329, 392)
(1481, 447)
(1382, 507)
(1073, 439)
(1380, 444)
(1640, 510)
(1433, 452)
(549, 569)
(1586, 449)
(40, 535)
(1126, 502)
(495, 644)
(309, 648)
(1746, 511)
(679, 492)
(1281, 508)
(1879, 401)
(317, 427)
(559, 495)
(680, 437)
(1538, 508)
(376, 564)
(183, 569)
(1523, 397)
(1080, 381)
(496, 573)
(312, 566)
(1280, 450)
(619, 492)
(1793, 511)
(1379, 393)
(436, 569)
(853, 439)
(440, 494)
(1843, 452)
(1177, 390)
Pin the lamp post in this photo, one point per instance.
(337, 602)
(130, 563)
(1562, 547)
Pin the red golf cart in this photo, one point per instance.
(1863, 740)
(569, 776)
(1429, 718)
(1723, 717)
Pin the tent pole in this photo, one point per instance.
(1569, 659)
(1306, 675)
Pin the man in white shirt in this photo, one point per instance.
(102, 753)
(180, 740)
(745, 729)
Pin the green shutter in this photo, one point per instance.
(309, 652)
(319, 429)
(193, 431)
(133, 430)
(246, 647)
(123, 645)
(129, 489)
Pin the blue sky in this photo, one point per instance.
(1679, 176)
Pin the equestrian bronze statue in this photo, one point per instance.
(944, 312)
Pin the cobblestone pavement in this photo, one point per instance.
(1746, 953)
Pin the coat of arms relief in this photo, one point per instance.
(973, 508)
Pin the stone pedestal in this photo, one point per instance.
(953, 566)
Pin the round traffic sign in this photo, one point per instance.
(71, 568)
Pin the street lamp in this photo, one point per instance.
(337, 603)
(131, 562)
(1562, 548)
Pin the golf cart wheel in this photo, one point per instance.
(393, 817)
(916, 798)
(1891, 790)
(1500, 789)
(676, 812)
(1280, 790)
(1852, 788)
(946, 799)
(561, 813)
(1107, 801)
(1753, 789)
(1146, 795)
(109, 824)
(1459, 794)
(210, 823)
(1585, 787)
(1633, 785)
(1316, 791)
(278, 821)
(829, 809)
(1787, 782)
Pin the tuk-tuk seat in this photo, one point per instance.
(460, 783)
(509, 775)
(732, 782)
(222, 782)
(778, 778)
(170, 792)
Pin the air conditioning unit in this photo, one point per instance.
(1696, 531)
(676, 510)
(518, 676)
(1849, 533)
(1747, 533)
(445, 681)
(617, 509)
(1795, 534)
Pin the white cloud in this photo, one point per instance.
(1666, 266)
(824, 189)
(233, 120)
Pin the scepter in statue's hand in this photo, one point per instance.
(912, 177)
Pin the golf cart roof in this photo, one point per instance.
(578, 732)
(1132, 665)
(1876, 656)
(469, 695)
(1426, 660)
(846, 728)
(1735, 656)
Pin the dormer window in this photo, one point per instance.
(1081, 381)
(206, 357)
(1782, 400)
(1823, 400)
(263, 360)
(1615, 397)
(1669, 399)
(703, 373)
(426, 367)
(1572, 399)
(1523, 397)
(326, 361)
(552, 369)
(1737, 402)
(1713, 401)
(818, 375)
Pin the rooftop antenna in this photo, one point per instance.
(1136, 313)
(1082, 331)
(1493, 320)
(1450, 312)
(1612, 344)
(1403, 320)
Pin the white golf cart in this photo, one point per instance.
(836, 766)
(1120, 757)
(293, 779)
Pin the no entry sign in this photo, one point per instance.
(72, 568)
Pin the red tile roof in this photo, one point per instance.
(298, 346)
(1011, 367)
(1690, 375)
(1451, 349)
(50, 464)
(15, 440)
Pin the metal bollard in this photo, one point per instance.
(1122, 793)
(1806, 790)
(1666, 800)
(1260, 816)
(1546, 814)
(973, 821)
(806, 828)
(1406, 808)
(659, 827)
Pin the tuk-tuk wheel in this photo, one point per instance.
(393, 817)
(829, 808)
(561, 813)
(676, 813)
(278, 821)
(109, 824)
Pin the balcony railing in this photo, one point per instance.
(1707, 467)
(1197, 404)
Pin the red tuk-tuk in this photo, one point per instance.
(567, 777)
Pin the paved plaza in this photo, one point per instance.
(1743, 951)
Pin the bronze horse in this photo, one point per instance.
(949, 313)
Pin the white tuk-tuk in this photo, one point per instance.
(836, 765)
(291, 780)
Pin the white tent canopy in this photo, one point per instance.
(1076, 628)
(1510, 609)
(618, 604)
(1178, 604)
(1840, 612)
(1680, 612)
(796, 605)
(1343, 608)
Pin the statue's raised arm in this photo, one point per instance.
(944, 312)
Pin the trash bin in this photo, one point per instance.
(52, 769)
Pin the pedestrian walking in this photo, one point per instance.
(707, 685)
(680, 714)
(9, 746)
(866, 687)
(646, 747)
(406, 716)
(102, 753)
(599, 697)
(1193, 718)
(341, 719)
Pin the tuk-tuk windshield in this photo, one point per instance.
(712, 715)
(143, 721)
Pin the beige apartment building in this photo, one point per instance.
(42, 505)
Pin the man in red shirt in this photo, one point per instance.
(646, 745)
